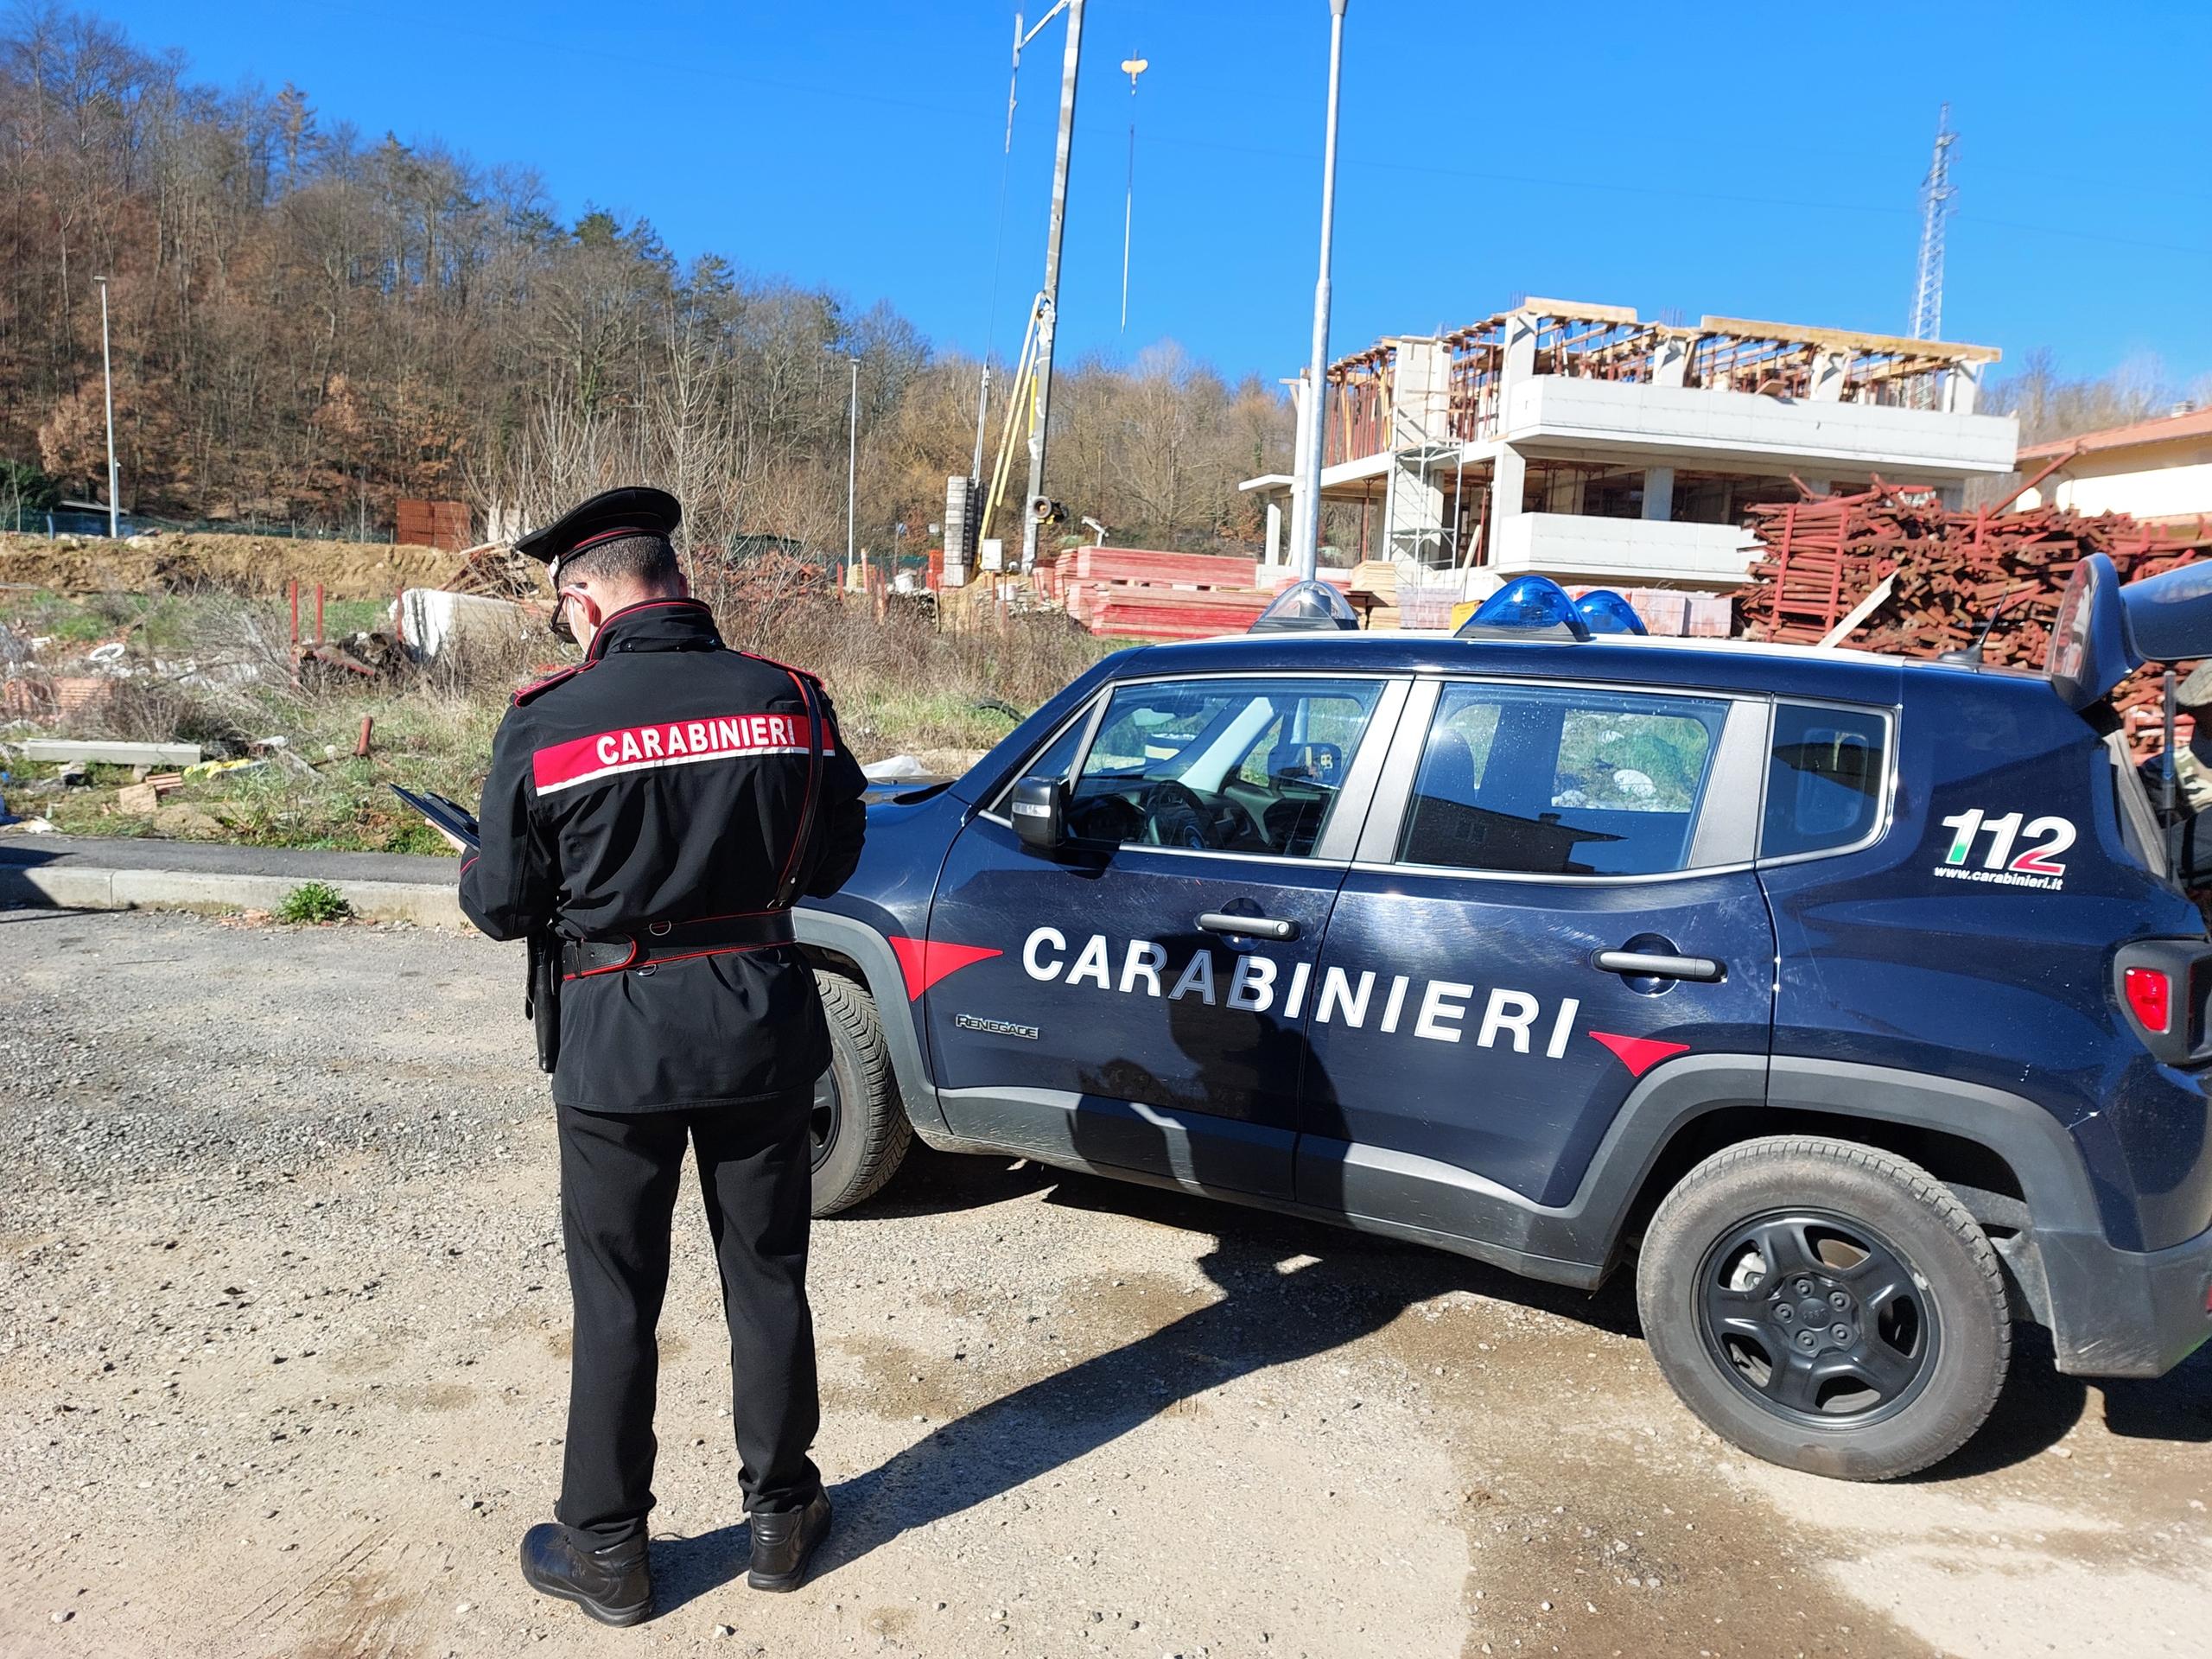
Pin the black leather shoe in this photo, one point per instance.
(782, 1543)
(614, 1585)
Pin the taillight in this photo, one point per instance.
(2166, 985)
(2151, 996)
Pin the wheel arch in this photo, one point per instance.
(2008, 1159)
(843, 945)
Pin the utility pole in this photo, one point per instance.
(1307, 555)
(852, 469)
(107, 375)
(1936, 194)
(1048, 301)
(983, 408)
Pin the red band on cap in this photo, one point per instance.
(603, 536)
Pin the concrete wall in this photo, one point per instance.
(1635, 551)
(2130, 482)
(1734, 428)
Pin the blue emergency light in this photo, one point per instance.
(1606, 611)
(1527, 608)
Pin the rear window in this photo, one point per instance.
(1573, 780)
(1824, 779)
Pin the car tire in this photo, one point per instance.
(858, 1133)
(1825, 1306)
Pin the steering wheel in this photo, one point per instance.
(1175, 816)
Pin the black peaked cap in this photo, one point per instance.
(633, 511)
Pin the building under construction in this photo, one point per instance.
(1577, 441)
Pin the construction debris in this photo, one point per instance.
(1145, 594)
(433, 621)
(110, 753)
(1948, 574)
(495, 570)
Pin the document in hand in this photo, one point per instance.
(450, 815)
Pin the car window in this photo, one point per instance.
(1824, 779)
(1055, 759)
(1569, 780)
(1246, 765)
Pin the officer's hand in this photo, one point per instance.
(454, 841)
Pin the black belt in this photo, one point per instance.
(674, 941)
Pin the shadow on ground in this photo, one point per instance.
(1269, 1313)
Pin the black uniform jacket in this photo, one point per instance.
(663, 780)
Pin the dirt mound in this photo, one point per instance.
(246, 564)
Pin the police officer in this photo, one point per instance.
(650, 817)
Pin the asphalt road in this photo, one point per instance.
(282, 1371)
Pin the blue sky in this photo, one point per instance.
(1756, 161)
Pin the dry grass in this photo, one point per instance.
(215, 670)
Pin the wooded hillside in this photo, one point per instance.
(309, 323)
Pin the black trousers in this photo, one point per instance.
(619, 1179)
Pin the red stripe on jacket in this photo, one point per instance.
(671, 743)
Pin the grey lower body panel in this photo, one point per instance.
(1197, 1152)
(1082, 1133)
(2124, 1312)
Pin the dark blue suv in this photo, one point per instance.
(1855, 1000)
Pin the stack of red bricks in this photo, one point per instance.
(1141, 594)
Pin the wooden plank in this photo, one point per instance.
(1146, 564)
(1848, 340)
(111, 753)
(1864, 609)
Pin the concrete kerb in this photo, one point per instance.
(70, 887)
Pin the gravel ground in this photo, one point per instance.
(282, 1371)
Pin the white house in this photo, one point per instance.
(1577, 441)
(2160, 470)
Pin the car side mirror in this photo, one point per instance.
(1038, 807)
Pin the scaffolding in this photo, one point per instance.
(1597, 342)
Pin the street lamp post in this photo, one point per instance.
(107, 376)
(1307, 553)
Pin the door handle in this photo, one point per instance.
(1653, 966)
(1258, 927)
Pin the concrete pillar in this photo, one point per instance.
(1420, 392)
(1520, 350)
(1275, 530)
(1508, 484)
(1659, 493)
(1963, 388)
(1953, 496)
(1817, 485)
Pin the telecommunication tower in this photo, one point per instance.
(1937, 194)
